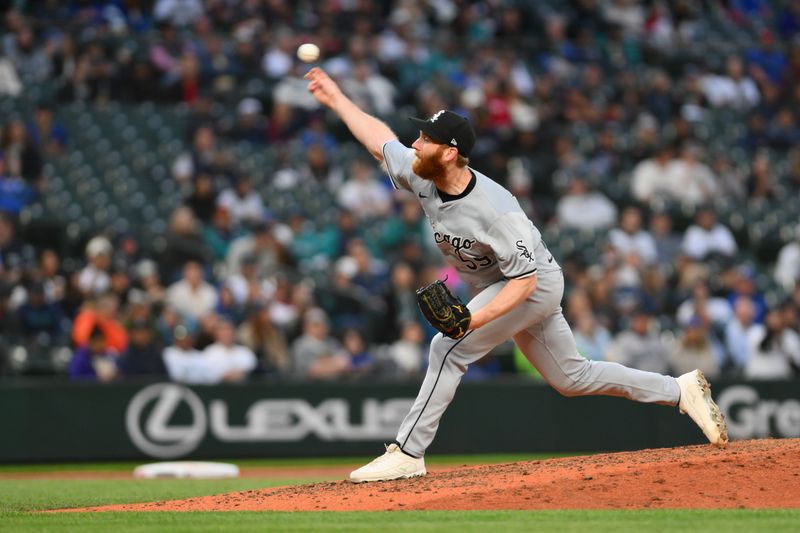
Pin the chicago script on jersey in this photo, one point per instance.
(456, 242)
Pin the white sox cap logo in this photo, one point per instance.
(437, 115)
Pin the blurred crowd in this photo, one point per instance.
(601, 116)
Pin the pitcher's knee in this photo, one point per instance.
(570, 382)
(439, 347)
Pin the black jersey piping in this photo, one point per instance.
(521, 275)
(444, 361)
(449, 197)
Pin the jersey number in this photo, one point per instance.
(474, 263)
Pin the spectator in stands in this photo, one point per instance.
(120, 285)
(15, 193)
(243, 202)
(180, 13)
(184, 243)
(701, 304)
(143, 355)
(270, 255)
(362, 361)
(733, 89)
(38, 318)
(317, 168)
(690, 180)
(220, 233)
(787, 267)
(278, 60)
(408, 225)
(771, 356)
(401, 302)
(315, 354)
(582, 208)
(767, 59)
(282, 124)
(738, 331)
(32, 61)
(10, 84)
(48, 136)
(12, 250)
(227, 305)
(184, 87)
(95, 277)
(650, 178)
(741, 283)
(363, 194)
(230, 362)
(185, 363)
(667, 242)
(22, 158)
(51, 276)
(695, 349)
(205, 156)
(316, 134)
(203, 198)
(94, 360)
(783, 132)
(146, 278)
(639, 346)
(251, 125)
(708, 239)
(100, 313)
(127, 252)
(136, 80)
(761, 182)
(192, 296)
(267, 341)
(730, 179)
(372, 273)
(591, 337)
(630, 238)
(408, 351)
(347, 302)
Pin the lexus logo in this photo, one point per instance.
(155, 435)
(155, 430)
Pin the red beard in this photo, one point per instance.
(430, 167)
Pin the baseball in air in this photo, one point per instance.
(308, 52)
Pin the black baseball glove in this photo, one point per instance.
(444, 311)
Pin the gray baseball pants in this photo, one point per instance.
(540, 330)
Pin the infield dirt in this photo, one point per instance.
(746, 474)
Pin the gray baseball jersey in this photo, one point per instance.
(487, 238)
(483, 233)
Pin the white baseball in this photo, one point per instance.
(308, 52)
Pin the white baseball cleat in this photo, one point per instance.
(696, 401)
(393, 464)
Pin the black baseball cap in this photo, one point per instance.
(448, 128)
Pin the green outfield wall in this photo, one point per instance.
(76, 422)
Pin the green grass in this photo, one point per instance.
(414, 521)
(20, 499)
(39, 494)
(440, 460)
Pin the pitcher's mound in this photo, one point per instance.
(748, 474)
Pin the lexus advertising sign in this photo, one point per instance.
(43, 421)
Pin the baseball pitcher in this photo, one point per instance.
(484, 234)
